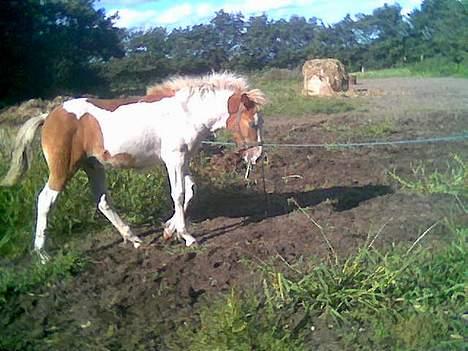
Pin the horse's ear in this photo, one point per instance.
(233, 103)
(249, 104)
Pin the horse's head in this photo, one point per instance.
(246, 123)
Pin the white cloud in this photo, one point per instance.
(134, 18)
(148, 13)
(204, 10)
(410, 6)
(249, 7)
(175, 14)
(122, 3)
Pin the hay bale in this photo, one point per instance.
(324, 77)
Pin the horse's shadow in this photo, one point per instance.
(256, 206)
(250, 206)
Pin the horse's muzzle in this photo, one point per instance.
(252, 154)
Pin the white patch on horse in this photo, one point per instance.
(45, 201)
(169, 120)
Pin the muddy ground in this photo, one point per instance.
(132, 299)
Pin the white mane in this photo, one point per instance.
(209, 83)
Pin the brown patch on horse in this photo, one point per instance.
(242, 110)
(157, 95)
(234, 103)
(90, 135)
(113, 104)
(67, 141)
(62, 148)
(120, 160)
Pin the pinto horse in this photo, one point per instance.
(168, 125)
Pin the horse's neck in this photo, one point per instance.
(210, 110)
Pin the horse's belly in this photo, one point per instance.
(140, 145)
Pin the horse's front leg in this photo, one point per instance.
(176, 163)
(190, 187)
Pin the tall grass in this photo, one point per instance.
(453, 180)
(403, 299)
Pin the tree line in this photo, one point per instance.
(50, 47)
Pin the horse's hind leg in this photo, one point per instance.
(58, 177)
(46, 199)
(97, 178)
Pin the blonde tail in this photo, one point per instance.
(22, 151)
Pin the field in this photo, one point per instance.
(360, 248)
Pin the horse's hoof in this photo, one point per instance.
(167, 234)
(43, 256)
(136, 241)
(191, 242)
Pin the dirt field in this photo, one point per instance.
(130, 299)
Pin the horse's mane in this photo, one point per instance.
(209, 83)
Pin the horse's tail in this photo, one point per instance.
(22, 151)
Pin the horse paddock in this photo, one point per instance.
(130, 298)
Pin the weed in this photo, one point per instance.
(236, 323)
(402, 299)
(16, 282)
(18, 287)
(452, 181)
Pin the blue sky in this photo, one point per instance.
(172, 14)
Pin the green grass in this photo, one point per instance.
(20, 285)
(283, 91)
(371, 130)
(453, 180)
(399, 300)
(433, 67)
(386, 73)
(236, 323)
(26, 280)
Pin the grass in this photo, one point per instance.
(31, 282)
(399, 300)
(407, 297)
(285, 99)
(236, 323)
(433, 67)
(453, 180)
(371, 130)
(14, 282)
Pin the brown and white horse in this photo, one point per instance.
(168, 124)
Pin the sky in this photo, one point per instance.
(144, 14)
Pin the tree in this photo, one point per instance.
(48, 46)
(384, 32)
(440, 28)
